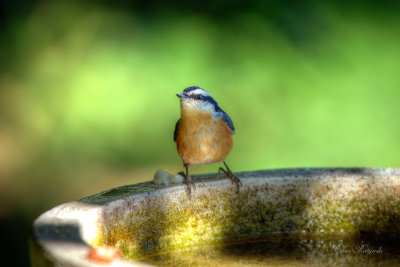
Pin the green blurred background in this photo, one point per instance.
(87, 92)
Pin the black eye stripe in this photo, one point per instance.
(196, 97)
(206, 98)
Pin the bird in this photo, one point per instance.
(203, 134)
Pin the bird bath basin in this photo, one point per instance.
(280, 217)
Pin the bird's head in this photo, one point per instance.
(195, 98)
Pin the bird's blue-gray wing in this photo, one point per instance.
(228, 121)
(176, 129)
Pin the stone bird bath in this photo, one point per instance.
(323, 214)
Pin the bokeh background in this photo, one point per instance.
(87, 92)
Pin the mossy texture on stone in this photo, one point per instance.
(308, 203)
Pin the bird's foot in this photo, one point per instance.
(189, 183)
(234, 179)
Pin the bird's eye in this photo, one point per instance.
(197, 97)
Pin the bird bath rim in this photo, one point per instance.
(295, 198)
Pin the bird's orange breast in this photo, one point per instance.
(202, 139)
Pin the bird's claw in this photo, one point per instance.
(235, 180)
(189, 183)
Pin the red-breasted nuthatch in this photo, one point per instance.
(204, 132)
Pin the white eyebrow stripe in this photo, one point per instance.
(198, 92)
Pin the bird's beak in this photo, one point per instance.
(180, 96)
